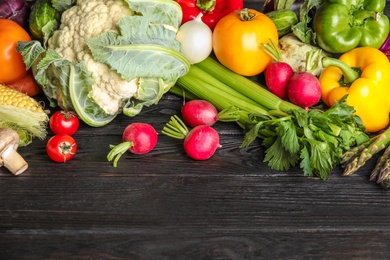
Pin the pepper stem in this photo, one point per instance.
(206, 5)
(361, 15)
(350, 75)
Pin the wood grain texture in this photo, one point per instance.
(165, 206)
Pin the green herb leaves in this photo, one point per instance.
(316, 140)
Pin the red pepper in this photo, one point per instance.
(213, 10)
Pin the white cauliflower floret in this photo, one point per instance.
(85, 20)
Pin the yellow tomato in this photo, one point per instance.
(237, 40)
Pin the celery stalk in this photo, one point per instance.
(198, 83)
(207, 79)
(245, 86)
(181, 92)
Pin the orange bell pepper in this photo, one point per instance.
(363, 74)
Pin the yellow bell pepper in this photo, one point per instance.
(364, 75)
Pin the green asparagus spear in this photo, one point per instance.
(382, 169)
(358, 156)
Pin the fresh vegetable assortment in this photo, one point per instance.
(312, 111)
(84, 65)
(292, 136)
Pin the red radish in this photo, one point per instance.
(143, 137)
(138, 138)
(304, 89)
(277, 73)
(200, 143)
(201, 112)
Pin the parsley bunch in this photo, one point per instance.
(316, 140)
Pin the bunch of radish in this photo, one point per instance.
(301, 88)
(201, 142)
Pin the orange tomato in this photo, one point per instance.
(237, 40)
(12, 65)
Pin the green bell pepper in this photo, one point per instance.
(342, 25)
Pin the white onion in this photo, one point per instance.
(196, 40)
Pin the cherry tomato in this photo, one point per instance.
(61, 148)
(64, 122)
(12, 67)
(237, 40)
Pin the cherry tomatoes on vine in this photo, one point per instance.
(64, 122)
(12, 67)
(61, 147)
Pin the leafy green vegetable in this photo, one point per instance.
(141, 50)
(62, 5)
(137, 48)
(302, 29)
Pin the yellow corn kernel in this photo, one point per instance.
(12, 97)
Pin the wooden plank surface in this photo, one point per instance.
(165, 206)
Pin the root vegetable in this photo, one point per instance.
(138, 138)
(277, 73)
(196, 40)
(201, 112)
(303, 89)
(200, 143)
(294, 52)
(9, 157)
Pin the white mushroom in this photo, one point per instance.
(9, 157)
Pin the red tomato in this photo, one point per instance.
(26, 85)
(61, 148)
(12, 65)
(64, 122)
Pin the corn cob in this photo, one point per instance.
(23, 114)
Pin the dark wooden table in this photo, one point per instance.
(165, 206)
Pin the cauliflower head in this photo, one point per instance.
(108, 56)
(85, 20)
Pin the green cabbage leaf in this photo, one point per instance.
(144, 48)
